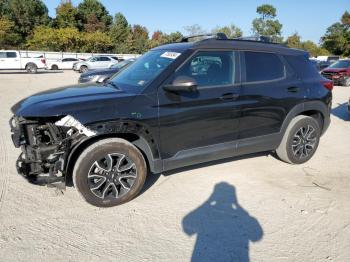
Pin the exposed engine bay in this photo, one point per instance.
(45, 145)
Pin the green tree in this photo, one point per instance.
(4, 5)
(8, 38)
(345, 19)
(66, 15)
(119, 32)
(96, 42)
(175, 37)
(158, 38)
(69, 39)
(266, 11)
(230, 31)
(26, 15)
(138, 41)
(93, 16)
(337, 37)
(314, 49)
(294, 41)
(267, 24)
(51, 39)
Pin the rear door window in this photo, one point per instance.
(11, 54)
(68, 59)
(261, 67)
(3, 55)
(104, 58)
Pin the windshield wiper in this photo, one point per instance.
(112, 84)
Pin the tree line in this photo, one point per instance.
(89, 27)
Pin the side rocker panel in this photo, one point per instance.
(244, 146)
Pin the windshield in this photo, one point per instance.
(341, 64)
(144, 70)
(121, 64)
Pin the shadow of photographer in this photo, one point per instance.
(223, 228)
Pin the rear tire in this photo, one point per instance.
(83, 69)
(109, 172)
(300, 141)
(346, 81)
(31, 68)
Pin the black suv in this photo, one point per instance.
(179, 104)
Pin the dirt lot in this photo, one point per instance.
(255, 208)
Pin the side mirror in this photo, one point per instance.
(182, 83)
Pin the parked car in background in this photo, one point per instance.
(65, 63)
(320, 65)
(13, 60)
(339, 72)
(95, 62)
(330, 59)
(323, 64)
(169, 110)
(116, 58)
(101, 75)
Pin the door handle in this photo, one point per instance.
(293, 89)
(229, 96)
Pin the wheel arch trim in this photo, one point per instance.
(133, 132)
(317, 106)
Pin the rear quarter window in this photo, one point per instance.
(302, 66)
(262, 66)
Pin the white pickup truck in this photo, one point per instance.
(14, 60)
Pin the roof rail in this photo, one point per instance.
(257, 38)
(218, 36)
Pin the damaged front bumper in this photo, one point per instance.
(45, 145)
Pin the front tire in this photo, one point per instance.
(54, 67)
(83, 69)
(109, 172)
(300, 140)
(346, 82)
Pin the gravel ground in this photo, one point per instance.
(250, 208)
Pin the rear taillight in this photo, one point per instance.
(327, 84)
(43, 61)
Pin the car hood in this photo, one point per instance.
(99, 72)
(334, 70)
(80, 101)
